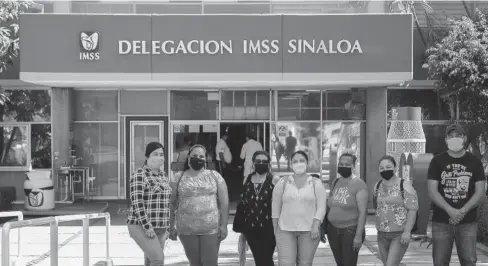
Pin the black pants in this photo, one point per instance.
(341, 241)
(262, 244)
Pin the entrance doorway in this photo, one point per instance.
(237, 132)
(140, 131)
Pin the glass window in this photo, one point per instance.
(194, 105)
(25, 106)
(95, 105)
(169, 8)
(109, 8)
(41, 146)
(344, 104)
(287, 138)
(245, 105)
(97, 146)
(338, 138)
(433, 107)
(14, 145)
(298, 105)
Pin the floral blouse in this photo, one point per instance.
(197, 211)
(391, 213)
(256, 199)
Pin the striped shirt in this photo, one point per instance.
(150, 197)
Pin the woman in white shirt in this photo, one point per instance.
(298, 208)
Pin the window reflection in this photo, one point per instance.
(298, 105)
(97, 146)
(433, 107)
(344, 104)
(287, 138)
(13, 146)
(339, 138)
(26, 106)
(194, 105)
(41, 146)
(95, 105)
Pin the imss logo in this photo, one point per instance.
(89, 45)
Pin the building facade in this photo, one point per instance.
(96, 106)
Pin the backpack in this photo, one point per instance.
(402, 191)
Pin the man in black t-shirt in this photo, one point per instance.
(456, 185)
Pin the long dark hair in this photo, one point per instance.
(187, 160)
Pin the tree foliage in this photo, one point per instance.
(10, 11)
(459, 65)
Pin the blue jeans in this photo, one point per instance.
(443, 237)
(295, 248)
(390, 247)
(341, 243)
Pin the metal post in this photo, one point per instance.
(54, 242)
(108, 260)
(6, 244)
(86, 241)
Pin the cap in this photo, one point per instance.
(455, 127)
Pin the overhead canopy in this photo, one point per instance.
(67, 50)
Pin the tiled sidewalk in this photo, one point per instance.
(124, 252)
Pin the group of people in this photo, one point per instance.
(294, 213)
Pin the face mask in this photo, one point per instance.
(455, 144)
(261, 168)
(299, 168)
(196, 163)
(387, 174)
(155, 162)
(344, 171)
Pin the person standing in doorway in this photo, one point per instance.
(291, 144)
(149, 213)
(456, 185)
(223, 154)
(248, 149)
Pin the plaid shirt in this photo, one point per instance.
(149, 195)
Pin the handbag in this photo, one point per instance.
(325, 221)
(238, 223)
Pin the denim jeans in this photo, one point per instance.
(295, 248)
(341, 241)
(153, 248)
(443, 237)
(262, 244)
(390, 247)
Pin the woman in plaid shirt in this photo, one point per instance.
(148, 218)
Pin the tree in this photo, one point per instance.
(19, 105)
(10, 11)
(459, 64)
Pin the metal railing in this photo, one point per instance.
(54, 241)
(20, 217)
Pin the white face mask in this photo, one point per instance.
(455, 144)
(155, 162)
(299, 168)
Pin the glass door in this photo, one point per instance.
(140, 131)
(185, 134)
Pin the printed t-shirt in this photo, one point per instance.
(342, 202)
(457, 178)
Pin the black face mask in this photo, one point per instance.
(344, 171)
(196, 163)
(387, 174)
(261, 168)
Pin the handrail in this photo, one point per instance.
(54, 221)
(20, 217)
